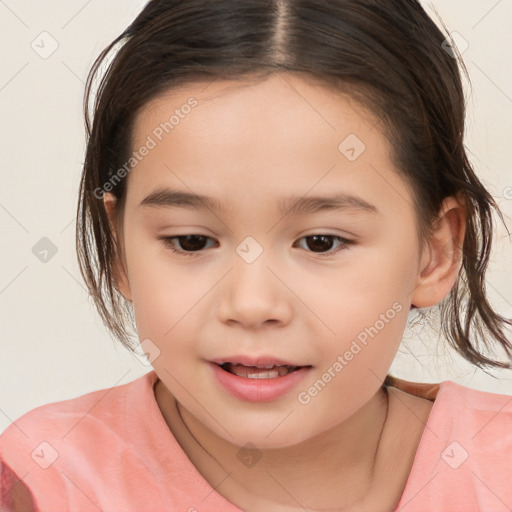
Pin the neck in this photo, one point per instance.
(348, 454)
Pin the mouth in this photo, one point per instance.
(262, 371)
(257, 379)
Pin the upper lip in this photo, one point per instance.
(258, 361)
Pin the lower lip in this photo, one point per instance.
(257, 390)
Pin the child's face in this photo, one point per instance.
(338, 313)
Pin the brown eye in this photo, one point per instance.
(323, 243)
(185, 244)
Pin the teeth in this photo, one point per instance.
(272, 374)
(260, 372)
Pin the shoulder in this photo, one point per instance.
(40, 447)
(464, 460)
(462, 413)
(475, 410)
(475, 428)
(453, 400)
(56, 418)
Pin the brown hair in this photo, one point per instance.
(389, 55)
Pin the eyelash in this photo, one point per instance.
(169, 244)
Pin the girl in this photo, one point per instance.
(270, 187)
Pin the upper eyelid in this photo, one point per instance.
(333, 235)
(343, 241)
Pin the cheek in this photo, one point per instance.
(364, 346)
(162, 291)
(364, 309)
(353, 369)
(371, 285)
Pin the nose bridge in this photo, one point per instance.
(252, 294)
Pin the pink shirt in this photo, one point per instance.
(111, 450)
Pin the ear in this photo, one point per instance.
(441, 258)
(119, 269)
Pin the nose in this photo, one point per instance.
(254, 296)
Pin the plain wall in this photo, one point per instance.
(53, 343)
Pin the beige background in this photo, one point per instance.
(53, 344)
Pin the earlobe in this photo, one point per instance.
(442, 256)
(118, 270)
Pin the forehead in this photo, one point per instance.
(285, 134)
(272, 103)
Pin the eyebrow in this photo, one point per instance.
(170, 198)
